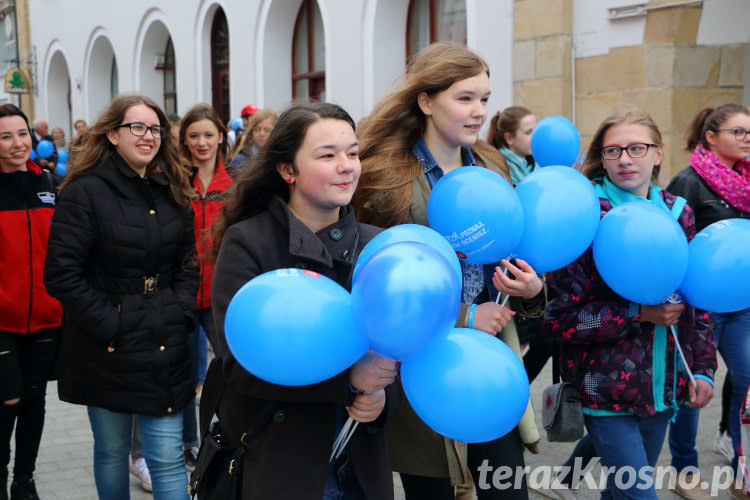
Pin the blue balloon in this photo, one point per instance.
(236, 123)
(470, 387)
(478, 212)
(641, 252)
(406, 296)
(293, 327)
(61, 168)
(560, 216)
(718, 270)
(62, 155)
(32, 155)
(555, 141)
(410, 232)
(45, 149)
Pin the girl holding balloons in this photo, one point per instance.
(631, 379)
(425, 128)
(716, 185)
(292, 210)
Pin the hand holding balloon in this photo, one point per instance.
(367, 406)
(664, 314)
(700, 397)
(373, 372)
(526, 283)
(490, 317)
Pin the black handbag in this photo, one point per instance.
(562, 412)
(218, 470)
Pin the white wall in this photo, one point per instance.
(364, 40)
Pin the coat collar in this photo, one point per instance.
(115, 166)
(337, 242)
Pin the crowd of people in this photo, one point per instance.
(116, 283)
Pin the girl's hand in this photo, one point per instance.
(367, 406)
(490, 317)
(701, 397)
(664, 314)
(373, 372)
(526, 285)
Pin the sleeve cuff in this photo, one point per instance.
(703, 377)
(634, 310)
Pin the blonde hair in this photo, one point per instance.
(246, 141)
(389, 132)
(94, 149)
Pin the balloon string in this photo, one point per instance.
(497, 299)
(673, 329)
(345, 434)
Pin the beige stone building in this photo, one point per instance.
(669, 57)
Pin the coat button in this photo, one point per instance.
(336, 234)
(169, 410)
(152, 212)
(279, 416)
(161, 348)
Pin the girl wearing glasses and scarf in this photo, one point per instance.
(716, 185)
(624, 346)
(121, 260)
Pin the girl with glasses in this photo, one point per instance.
(716, 185)
(626, 411)
(122, 262)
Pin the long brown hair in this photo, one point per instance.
(197, 113)
(247, 141)
(94, 149)
(507, 120)
(593, 167)
(710, 119)
(256, 186)
(396, 122)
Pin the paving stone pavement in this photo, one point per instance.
(64, 468)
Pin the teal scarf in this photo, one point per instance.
(519, 167)
(616, 196)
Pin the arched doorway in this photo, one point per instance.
(220, 65)
(308, 54)
(58, 94)
(101, 77)
(435, 20)
(156, 74)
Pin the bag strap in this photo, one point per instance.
(213, 390)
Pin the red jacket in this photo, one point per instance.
(207, 209)
(27, 201)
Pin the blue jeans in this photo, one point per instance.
(732, 335)
(628, 441)
(162, 448)
(682, 434)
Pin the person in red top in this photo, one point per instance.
(29, 318)
(203, 144)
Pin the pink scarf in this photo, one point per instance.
(732, 184)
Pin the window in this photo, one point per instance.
(308, 54)
(220, 65)
(170, 86)
(435, 20)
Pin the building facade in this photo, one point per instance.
(576, 58)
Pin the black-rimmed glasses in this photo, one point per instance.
(637, 150)
(739, 133)
(139, 129)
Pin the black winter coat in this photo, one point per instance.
(708, 206)
(124, 345)
(287, 459)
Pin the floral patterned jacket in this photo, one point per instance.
(601, 332)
